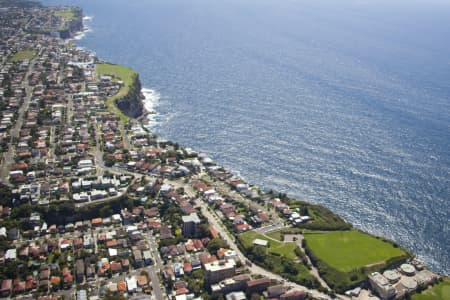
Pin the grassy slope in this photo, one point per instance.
(349, 250)
(122, 73)
(277, 247)
(66, 14)
(280, 256)
(440, 291)
(275, 235)
(22, 55)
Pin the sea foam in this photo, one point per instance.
(86, 29)
(151, 100)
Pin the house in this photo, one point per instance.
(257, 285)
(79, 270)
(142, 281)
(131, 284)
(67, 277)
(138, 262)
(85, 163)
(294, 295)
(90, 272)
(13, 234)
(165, 232)
(116, 267)
(187, 267)
(125, 263)
(236, 283)
(19, 286)
(6, 287)
(97, 222)
(11, 254)
(121, 287)
(275, 291)
(55, 281)
(178, 269)
(147, 257)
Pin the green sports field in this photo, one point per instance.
(350, 250)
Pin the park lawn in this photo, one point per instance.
(66, 14)
(22, 55)
(276, 247)
(124, 74)
(350, 250)
(275, 235)
(440, 291)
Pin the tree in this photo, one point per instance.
(5, 195)
(259, 252)
(216, 244)
(22, 211)
(203, 230)
(111, 296)
(255, 296)
(105, 211)
(290, 268)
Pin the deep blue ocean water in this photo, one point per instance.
(343, 103)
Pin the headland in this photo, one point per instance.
(96, 204)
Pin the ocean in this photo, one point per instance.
(342, 103)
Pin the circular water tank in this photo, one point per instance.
(409, 283)
(408, 269)
(391, 275)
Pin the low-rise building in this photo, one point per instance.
(219, 270)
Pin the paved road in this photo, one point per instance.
(15, 130)
(155, 269)
(212, 219)
(298, 239)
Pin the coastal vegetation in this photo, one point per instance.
(439, 291)
(22, 55)
(345, 258)
(126, 76)
(321, 217)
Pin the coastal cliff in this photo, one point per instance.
(127, 102)
(131, 103)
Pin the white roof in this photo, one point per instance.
(295, 215)
(210, 192)
(11, 254)
(219, 265)
(85, 162)
(116, 217)
(260, 242)
(191, 218)
(131, 283)
(131, 228)
(112, 252)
